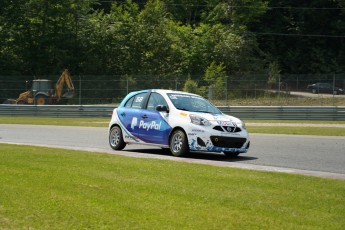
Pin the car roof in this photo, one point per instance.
(173, 91)
(164, 91)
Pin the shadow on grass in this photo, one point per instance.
(196, 155)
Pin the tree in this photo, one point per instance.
(43, 34)
(304, 37)
(192, 86)
(215, 76)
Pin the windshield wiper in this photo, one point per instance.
(201, 111)
(182, 109)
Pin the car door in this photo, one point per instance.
(153, 126)
(130, 114)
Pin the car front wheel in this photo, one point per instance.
(116, 139)
(179, 143)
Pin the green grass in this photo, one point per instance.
(324, 131)
(296, 121)
(93, 122)
(283, 101)
(103, 122)
(44, 188)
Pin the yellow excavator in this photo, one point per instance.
(43, 92)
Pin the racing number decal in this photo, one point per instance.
(139, 99)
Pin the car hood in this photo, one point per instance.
(219, 118)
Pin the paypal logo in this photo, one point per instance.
(146, 125)
(134, 122)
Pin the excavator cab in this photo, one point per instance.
(42, 86)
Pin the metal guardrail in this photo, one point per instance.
(286, 112)
(57, 110)
(243, 112)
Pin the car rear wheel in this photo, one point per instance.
(116, 139)
(179, 143)
(231, 154)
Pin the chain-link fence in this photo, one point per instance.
(231, 90)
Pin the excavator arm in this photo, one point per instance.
(65, 78)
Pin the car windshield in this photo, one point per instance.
(192, 103)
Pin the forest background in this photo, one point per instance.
(196, 42)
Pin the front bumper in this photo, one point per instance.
(211, 139)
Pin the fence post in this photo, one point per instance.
(127, 85)
(79, 90)
(226, 90)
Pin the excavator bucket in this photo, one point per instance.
(10, 101)
(65, 79)
(68, 94)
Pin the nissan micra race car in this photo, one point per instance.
(180, 121)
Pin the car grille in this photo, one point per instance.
(228, 142)
(229, 129)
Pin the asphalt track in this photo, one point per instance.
(309, 155)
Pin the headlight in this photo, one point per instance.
(199, 120)
(243, 125)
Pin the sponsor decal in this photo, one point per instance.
(150, 125)
(183, 114)
(227, 123)
(198, 130)
(146, 125)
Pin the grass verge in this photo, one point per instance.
(91, 122)
(103, 122)
(43, 188)
(320, 131)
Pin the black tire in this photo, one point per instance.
(178, 143)
(231, 154)
(41, 100)
(116, 139)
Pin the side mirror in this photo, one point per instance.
(162, 108)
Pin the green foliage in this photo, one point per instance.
(305, 37)
(160, 40)
(273, 75)
(192, 86)
(215, 76)
(238, 13)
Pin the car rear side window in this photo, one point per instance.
(135, 101)
(129, 103)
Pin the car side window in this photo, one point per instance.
(135, 101)
(129, 103)
(154, 100)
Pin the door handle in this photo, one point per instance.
(144, 116)
(123, 114)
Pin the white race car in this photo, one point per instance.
(177, 120)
